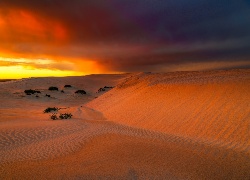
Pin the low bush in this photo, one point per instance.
(53, 117)
(52, 88)
(65, 116)
(80, 92)
(30, 91)
(61, 116)
(104, 88)
(101, 89)
(108, 87)
(50, 109)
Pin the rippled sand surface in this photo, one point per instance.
(182, 125)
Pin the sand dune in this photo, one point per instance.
(183, 125)
(212, 107)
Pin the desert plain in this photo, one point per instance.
(176, 125)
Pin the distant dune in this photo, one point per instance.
(5, 80)
(181, 125)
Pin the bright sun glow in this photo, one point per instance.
(16, 68)
(24, 60)
(17, 72)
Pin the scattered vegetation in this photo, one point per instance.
(104, 89)
(55, 110)
(62, 91)
(67, 86)
(30, 91)
(101, 89)
(65, 116)
(47, 95)
(108, 87)
(50, 109)
(61, 116)
(52, 88)
(80, 92)
(53, 117)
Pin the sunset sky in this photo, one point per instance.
(78, 37)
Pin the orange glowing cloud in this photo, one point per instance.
(100, 37)
(18, 25)
(31, 44)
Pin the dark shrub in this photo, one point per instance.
(50, 109)
(65, 116)
(108, 87)
(101, 89)
(53, 88)
(62, 91)
(30, 91)
(61, 116)
(80, 92)
(67, 86)
(53, 117)
(47, 95)
(104, 89)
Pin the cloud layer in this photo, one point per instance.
(127, 35)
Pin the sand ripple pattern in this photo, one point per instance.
(210, 107)
(180, 125)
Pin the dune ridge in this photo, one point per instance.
(205, 106)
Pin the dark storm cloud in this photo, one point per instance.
(162, 31)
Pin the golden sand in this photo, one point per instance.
(183, 125)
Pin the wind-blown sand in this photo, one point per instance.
(182, 125)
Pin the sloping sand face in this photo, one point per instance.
(183, 125)
(208, 108)
(205, 106)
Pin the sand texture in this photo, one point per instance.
(179, 125)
